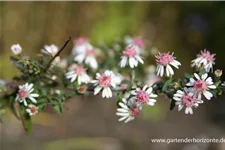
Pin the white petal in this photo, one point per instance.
(212, 86)
(97, 90)
(122, 114)
(204, 76)
(150, 103)
(129, 119)
(123, 105)
(207, 95)
(122, 118)
(109, 92)
(180, 107)
(32, 99)
(161, 70)
(139, 59)
(34, 95)
(149, 90)
(196, 76)
(122, 110)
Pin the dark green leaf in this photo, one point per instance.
(13, 108)
(187, 75)
(172, 104)
(27, 123)
(166, 84)
(58, 109)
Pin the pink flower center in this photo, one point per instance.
(134, 112)
(130, 51)
(142, 97)
(33, 109)
(188, 101)
(80, 41)
(90, 53)
(23, 93)
(206, 54)
(79, 70)
(200, 85)
(139, 42)
(105, 81)
(164, 59)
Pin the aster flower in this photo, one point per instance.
(202, 85)
(204, 59)
(81, 45)
(32, 109)
(62, 63)
(186, 99)
(104, 82)
(88, 56)
(79, 73)
(25, 92)
(128, 110)
(50, 49)
(151, 75)
(164, 62)
(135, 41)
(144, 96)
(131, 56)
(16, 49)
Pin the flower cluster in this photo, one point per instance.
(197, 85)
(132, 104)
(116, 71)
(84, 52)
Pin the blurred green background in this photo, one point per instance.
(181, 27)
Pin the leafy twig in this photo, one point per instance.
(57, 54)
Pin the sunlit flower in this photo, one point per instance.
(186, 99)
(79, 73)
(151, 75)
(135, 41)
(58, 92)
(131, 57)
(32, 109)
(88, 57)
(16, 49)
(81, 45)
(62, 63)
(205, 59)
(202, 85)
(128, 110)
(164, 62)
(144, 96)
(25, 92)
(50, 49)
(104, 82)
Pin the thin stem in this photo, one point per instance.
(57, 54)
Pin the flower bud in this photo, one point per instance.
(82, 90)
(16, 49)
(175, 85)
(218, 73)
(54, 77)
(124, 86)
